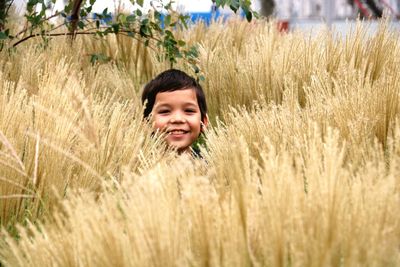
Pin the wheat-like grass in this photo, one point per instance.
(56, 134)
(301, 165)
(236, 210)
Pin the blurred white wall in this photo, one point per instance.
(285, 9)
(197, 6)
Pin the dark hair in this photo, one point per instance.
(168, 81)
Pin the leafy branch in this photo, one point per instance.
(155, 27)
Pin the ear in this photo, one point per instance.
(204, 123)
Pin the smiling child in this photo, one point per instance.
(177, 106)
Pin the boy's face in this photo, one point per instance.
(178, 114)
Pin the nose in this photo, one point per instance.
(177, 117)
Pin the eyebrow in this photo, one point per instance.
(166, 104)
(162, 105)
(190, 104)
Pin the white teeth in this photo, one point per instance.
(176, 132)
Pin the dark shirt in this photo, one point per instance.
(196, 153)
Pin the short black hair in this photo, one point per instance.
(168, 81)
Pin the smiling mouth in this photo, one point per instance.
(177, 132)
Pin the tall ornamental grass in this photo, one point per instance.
(300, 166)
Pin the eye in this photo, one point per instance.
(163, 111)
(190, 110)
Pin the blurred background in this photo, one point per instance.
(292, 14)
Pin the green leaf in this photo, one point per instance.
(83, 13)
(155, 26)
(43, 10)
(167, 20)
(33, 2)
(140, 2)
(101, 58)
(249, 16)
(184, 20)
(168, 6)
(121, 18)
(115, 27)
(234, 5)
(169, 34)
(138, 12)
(221, 3)
(81, 25)
(145, 31)
(108, 30)
(68, 8)
(99, 33)
(3, 36)
(181, 43)
(131, 18)
(157, 15)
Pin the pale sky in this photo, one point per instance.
(185, 5)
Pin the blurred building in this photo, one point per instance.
(337, 9)
(282, 9)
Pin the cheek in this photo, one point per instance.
(195, 124)
(159, 122)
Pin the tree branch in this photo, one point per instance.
(48, 18)
(75, 17)
(8, 8)
(76, 33)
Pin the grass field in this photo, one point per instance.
(301, 168)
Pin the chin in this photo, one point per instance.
(180, 148)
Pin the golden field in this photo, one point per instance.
(301, 165)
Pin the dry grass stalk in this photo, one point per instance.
(301, 166)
